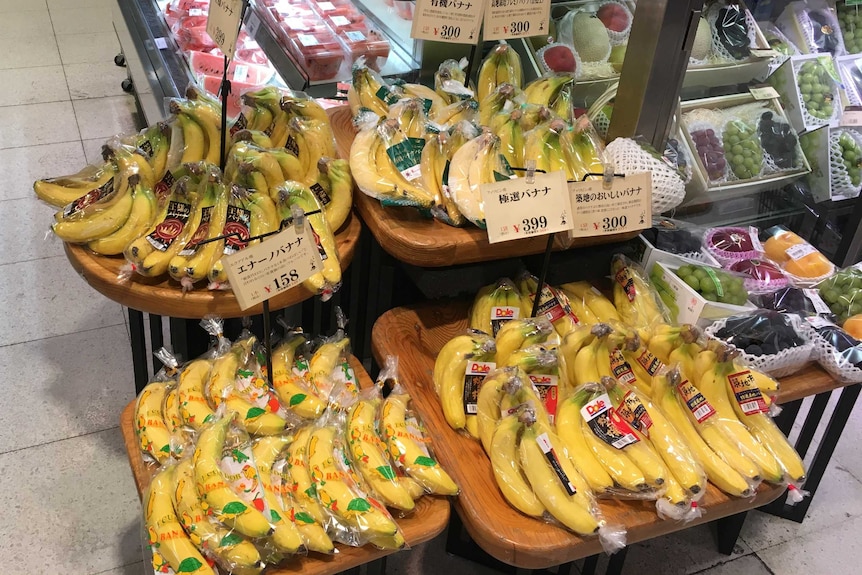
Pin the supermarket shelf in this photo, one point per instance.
(154, 61)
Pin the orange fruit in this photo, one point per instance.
(853, 326)
(813, 265)
(776, 246)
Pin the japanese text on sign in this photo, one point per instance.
(516, 19)
(456, 21)
(223, 24)
(277, 264)
(624, 207)
(517, 209)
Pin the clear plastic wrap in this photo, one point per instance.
(238, 220)
(731, 244)
(153, 434)
(714, 284)
(483, 155)
(842, 293)
(63, 190)
(329, 364)
(635, 299)
(763, 276)
(459, 370)
(494, 305)
(553, 303)
(450, 81)
(405, 438)
(801, 261)
(312, 531)
(813, 25)
(294, 392)
(851, 25)
(501, 65)
(732, 31)
(596, 305)
(836, 351)
(845, 153)
(520, 333)
(788, 300)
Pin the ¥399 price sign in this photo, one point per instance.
(455, 21)
(516, 18)
(275, 265)
(625, 206)
(516, 209)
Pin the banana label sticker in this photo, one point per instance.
(545, 445)
(625, 278)
(321, 194)
(89, 198)
(162, 188)
(649, 362)
(200, 233)
(239, 469)
(635, 413)
(240, 124)
(548, 389)
(746, 393)
(407, 156)
(553, 305)
(171, 227)
(238, 221)
(500, 314)
(700, 408)
(621, 369)
(607, 424)
(473, 378)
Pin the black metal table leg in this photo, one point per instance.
(615, 564)
(727, 531)
(787, 417)
(188, 339)
(812, 421)
(459, 543)
(590, 565)
(156, 339)
(139, 349)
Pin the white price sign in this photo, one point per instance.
(516, 209)
(223, 24)
(457, 21)
(763, 92)
(277, 264)
(624, 207)
(852, 117)
(516, 19)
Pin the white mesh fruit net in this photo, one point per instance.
(831, 359)
(619, 38)
(720, 55)
(807, 117)
(668, 189)
(842, 184)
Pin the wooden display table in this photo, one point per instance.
(424, 242)
(163, 296)
(415, 335)
(427, 521)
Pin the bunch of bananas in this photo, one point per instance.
(159, 199)
(635, 299)
(434, 156)
(276, 470)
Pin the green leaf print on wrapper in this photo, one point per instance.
(359, 504)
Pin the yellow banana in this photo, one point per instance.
(86, 221)
(143, 211)
(301, 485)
(153, 435)
(285, 535)
(64, 190)
(505, 461)
(570, 432)
(290, 388)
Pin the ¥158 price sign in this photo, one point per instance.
(624, 207)
(223, 24)
(516, 18)
(515, 209)
(455, 21)
(277, 264)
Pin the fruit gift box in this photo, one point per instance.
(835, 156)
(667, 242)
(803, 264)
(703, 305)
(813, 26)
(740, 144)
(836, 351)
(810, 90)
(772, 342)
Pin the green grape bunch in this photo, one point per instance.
(817, 90)
(742, 149)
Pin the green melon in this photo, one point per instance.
(590, 38)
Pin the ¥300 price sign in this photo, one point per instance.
(515, 209)
(223, 24)
(625, 206)
(277, 264)
(516, 18)
(455, 21)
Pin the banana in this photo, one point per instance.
(141, 215)
(553, 490)
(494, 305)
(255, 136)
(337, 183)
(209, 121)
(519, 333)
(174, 422)
(95, 216)
(583, 149)
(502, 65)
(545, 90)
(369, 91)
(450, 81)
(194, 140)
(477, 162)
(313, 534)
(290, 194)
(593, 299)
(301, 485)
(324, 361)
(665, 339)
(194, 409)
(370, 458)
(407, 449)
(450, 369)
(290, 388)
(431, 101)
(634, 298)
(507, 126)
(719, 472)
(570, 346)
(64, 190)
(231, 551)
(434, 165)
(570, 432)
(337, 496)
(212, 485)
(496, 102)
(552, 303)
(456, 112)
(304, 107)
(543, 144)
(167, 538)
(285, 536)
(766, 432)
(505, 460)
(586, 365)
(194, 260)
(489, 401)
(150, 427)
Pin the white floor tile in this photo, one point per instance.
(74, 385)
(95, 79)
(49, 299)
(100, 47)
(28, 52)
(65, 4)
(833, 549)
(36, 124)
(71, 507)
(838, 498)
(131, 569)
(33, 85)
(25, 24)
(93, 149)
(748, 565)
(847, 453)
(20, 167)
(81, 20)
(24, 228)
(106, 117)
(18, 6)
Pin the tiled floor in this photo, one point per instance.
(65, 486)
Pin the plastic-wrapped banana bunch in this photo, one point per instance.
(507, 125)
(260, 169)
(290, 386)
(637, 303)
(460, 111)
(477, 162)
(557, 146)
(494, 305)
(503, 391)
(553, 91)
(269, 111)
(435, 162)
(504, 97)
(151, 420)
(450, 81)
(553, 303)
(501, 66)
(369, 91)
(200, 125)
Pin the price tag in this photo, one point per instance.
(624, 207)
(516, 19)
(161, 43)
(768, 53)
(852, 116)
(196, 12)
(223, 24)
(515, 209)
(456, 22)
(814, 297)
(763, 92)
(240, 73)
(817, 322)
(799, 251)
(275, 265)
